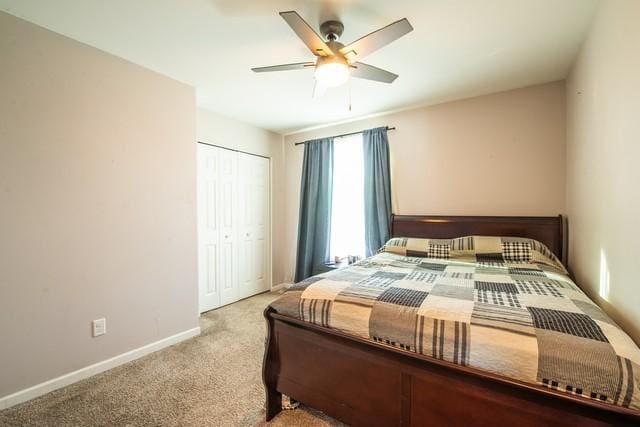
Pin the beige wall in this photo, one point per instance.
(501, 154)
(97, 205)
(215, 129)
(603, 150)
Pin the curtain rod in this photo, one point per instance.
(344, 134)
(232, 149)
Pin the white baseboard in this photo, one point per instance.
(280, 286)
(96, 368)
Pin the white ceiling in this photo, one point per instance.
(459, 49)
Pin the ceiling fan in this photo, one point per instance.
(336, 62)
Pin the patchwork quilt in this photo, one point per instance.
(503, 305)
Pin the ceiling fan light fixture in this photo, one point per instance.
(332, 71)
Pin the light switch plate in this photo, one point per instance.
(99, 327)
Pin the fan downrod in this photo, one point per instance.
(331, 30)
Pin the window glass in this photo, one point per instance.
(347, 216)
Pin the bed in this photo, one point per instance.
(453, 330)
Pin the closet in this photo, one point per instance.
(233, 226)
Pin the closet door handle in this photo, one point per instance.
(248, 234)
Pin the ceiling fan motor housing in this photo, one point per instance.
(331, 30)
(335, 47)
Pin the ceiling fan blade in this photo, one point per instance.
(313, 41)
(284, 67)
(369, 72)
(374, 41)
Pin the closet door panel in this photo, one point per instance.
(245, 218)
(227, 209)
(208, 227)
(254, 176)
(246, 267)
(261, 222)
(259, 264)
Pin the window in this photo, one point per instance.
(347, 215)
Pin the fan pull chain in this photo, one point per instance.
(349, 93)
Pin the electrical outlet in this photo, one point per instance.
(99, 327)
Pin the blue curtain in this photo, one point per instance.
(377, 189)
(314, 227)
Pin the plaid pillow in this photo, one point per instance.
(516, 252)
(439, 251)
(414, 247)
(513, 250)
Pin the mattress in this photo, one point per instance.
(502, 305)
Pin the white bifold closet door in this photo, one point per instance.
(233, 226)
(253, 227)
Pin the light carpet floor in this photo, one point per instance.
(210, 380)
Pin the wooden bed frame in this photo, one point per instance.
(362, 383)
